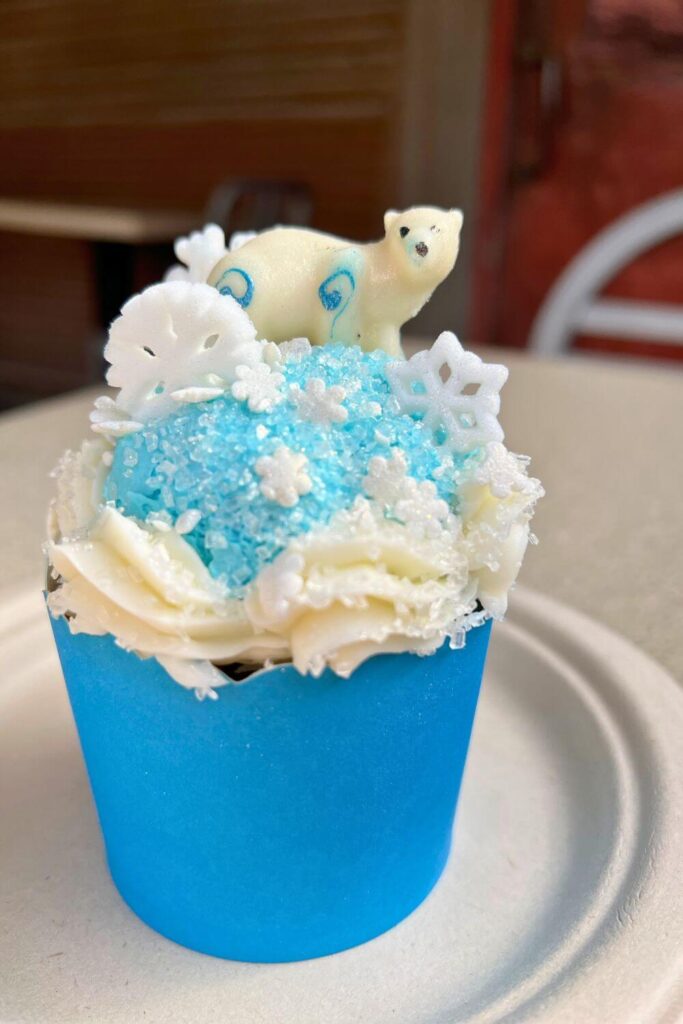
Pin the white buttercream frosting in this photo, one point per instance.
(360, 585)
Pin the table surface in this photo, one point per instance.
(605, 441)
(133, 226)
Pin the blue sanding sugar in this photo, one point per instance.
(202, 457)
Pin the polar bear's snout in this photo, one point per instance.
(421, 249)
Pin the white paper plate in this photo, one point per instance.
(562, 901)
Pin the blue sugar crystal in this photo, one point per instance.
(203, 457)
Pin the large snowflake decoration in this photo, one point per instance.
(283, 476)
(199, 252)
(177, 342)
(258, 386)
(318, 402)
(453, 392)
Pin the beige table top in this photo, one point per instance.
(605, 439)
(94, 223)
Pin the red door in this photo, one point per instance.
(584, 122)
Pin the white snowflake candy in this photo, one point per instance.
(173, 337)
(199, 252)
(421, 509)
(283, 476)
(414, 502)
(319, 403)
(258, 386)
(461, 409)
(386, 478)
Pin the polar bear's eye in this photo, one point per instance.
(403, 232)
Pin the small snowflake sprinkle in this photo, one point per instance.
(319, 403)
(186, 521)
(258, 386)
(415, 503)
(385, 479)
(283, 476)
(421, 509)
(460, 410)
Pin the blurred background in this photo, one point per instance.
(554, 124)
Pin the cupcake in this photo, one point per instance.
(273, 571)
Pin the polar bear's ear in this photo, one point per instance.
(389, 218)
(457, 218)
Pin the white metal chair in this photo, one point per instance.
(573, 305)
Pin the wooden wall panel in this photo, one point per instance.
(347, 164)
(47, 313)
(141, 62)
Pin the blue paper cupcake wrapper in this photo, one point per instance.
(291, 818)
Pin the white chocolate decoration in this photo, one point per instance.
(299, 283)
(172, 338)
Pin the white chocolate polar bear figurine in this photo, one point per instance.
(299, 283)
